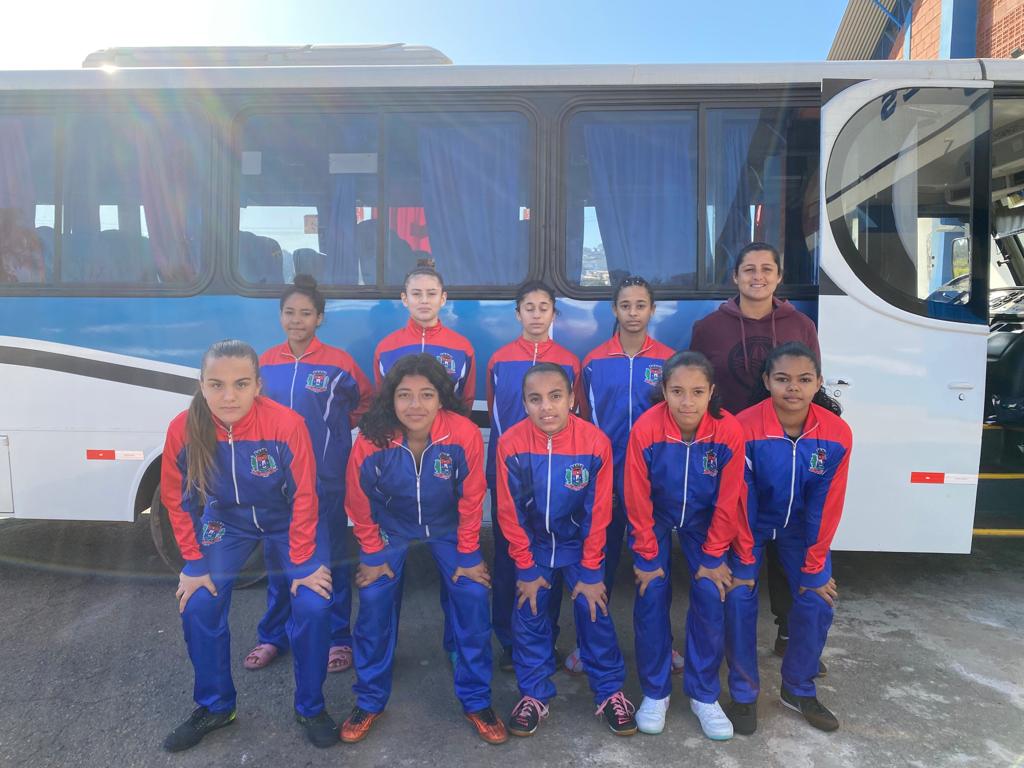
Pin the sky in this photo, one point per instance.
(521, 32)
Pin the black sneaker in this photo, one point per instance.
(199, 723)
(814, 711)
(742, 716)
(782, 641)
(321, 730)
(619, 714)
(526, 716)
(505, 663)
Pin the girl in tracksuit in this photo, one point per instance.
(238, 471)
(554, 503)
(683, 474)
(324, 385)
(535, 311)
(619, 378)
(416, 474)
(423, 294)
(797, 460)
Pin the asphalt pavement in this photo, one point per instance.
(925, 669)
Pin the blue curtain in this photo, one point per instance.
(729, 194)
(471, 185)
(643, 183)
(337, 218)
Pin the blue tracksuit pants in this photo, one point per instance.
(809, 622)
(333, 535)
(503, 587)
(705, 627)
(376, 629)
(208, 637)
(533, 644)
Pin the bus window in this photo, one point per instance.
(762, 185)
(458, 195)
(898, 196)
(632, 197)
(27, 187)
(133, 191)
(305, 183)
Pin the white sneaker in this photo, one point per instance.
(713, 721)
(650, 718)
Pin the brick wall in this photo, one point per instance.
(1000, 28)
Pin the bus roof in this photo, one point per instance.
(377, 54)
(533, 76)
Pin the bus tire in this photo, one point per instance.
(162, 534)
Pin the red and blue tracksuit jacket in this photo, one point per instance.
(794, 487)
(695, 487)
(388, 494)
(264, 481)
(617, 389)
(555, 497)
(327, 389)
(451, 349)
(505, 373)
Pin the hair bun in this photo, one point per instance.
(306, 282)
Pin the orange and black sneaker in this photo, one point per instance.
(488, 726)
(526, 716)
(357, 725)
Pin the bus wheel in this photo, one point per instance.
(163, 539)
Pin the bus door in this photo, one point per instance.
(903, 306)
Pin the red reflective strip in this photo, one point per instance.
(937, 478)
(91, 454)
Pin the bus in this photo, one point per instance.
(154, 202)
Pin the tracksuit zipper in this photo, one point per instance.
(686, 484)
(792, 484)
(234, 476)
(547, 507)
(418, 466)
(629, 393)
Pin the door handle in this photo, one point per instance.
(960, 385)
(839, 381)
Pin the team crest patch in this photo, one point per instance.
(711, 463)
(317, 381)
(817, 465)
(447, 361)
(652, 374)
(212, 533)
(576, 477)
(263, 464)
(443, 467)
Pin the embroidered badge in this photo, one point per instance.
(576, 477)
(212, 533)
(711, 463)
(443, 467)
(317, 381)
(447, 361)
(818, 462)
(652, 375)
(263, 464)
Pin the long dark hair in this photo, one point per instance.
(689, 359)
(380, 422)
(757, 246)
(631, 281)
(200, 429)
(798, 349)
(306, 285)
(530, 286)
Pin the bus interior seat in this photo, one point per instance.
(123, 257)
(401, 258)
(1005, 370)
(310, 262)
(260, 259)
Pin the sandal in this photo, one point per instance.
(261, 656)
(339, 659)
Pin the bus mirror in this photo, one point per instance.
(961, 256)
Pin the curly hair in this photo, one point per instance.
(380, 422)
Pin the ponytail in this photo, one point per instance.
(826, 401)
(201, 447)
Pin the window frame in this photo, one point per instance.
(62, 107)
(383, 105)
(664, 99)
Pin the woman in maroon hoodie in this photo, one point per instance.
(737, 338)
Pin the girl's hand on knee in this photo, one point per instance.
(319, 581)
(596, 596)
(189, 585)
(527, 591)
(643, 578)
(826, 592)
(740, 583)
(721, 576)
(477, 573)
(367, 574)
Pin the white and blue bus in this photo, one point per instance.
(148, 208)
